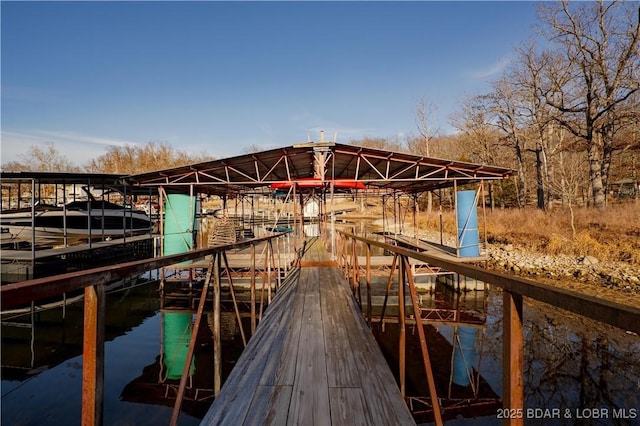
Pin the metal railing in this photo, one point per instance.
(93, 282)
(514, 289)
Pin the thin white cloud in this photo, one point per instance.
(78, 137)
(492, 69)
(76, 147)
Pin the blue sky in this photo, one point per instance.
(217, 77)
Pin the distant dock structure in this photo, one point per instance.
(59, 222)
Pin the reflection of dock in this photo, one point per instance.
(158, 384)
(35, 343)
(477, 399)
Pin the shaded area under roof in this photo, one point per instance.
(326, 162)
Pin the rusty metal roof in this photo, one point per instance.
(326, 161)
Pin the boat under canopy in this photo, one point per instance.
(75, 221)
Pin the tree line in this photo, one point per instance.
(565, 116)
(125, 160)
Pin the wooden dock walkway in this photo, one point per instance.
(312, 361)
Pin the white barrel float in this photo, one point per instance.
(467, 215)
(463, 356)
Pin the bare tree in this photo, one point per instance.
(594, 73)
(45, 158)
(425, 119)
(481, 140)
(379, 143)
(142, 158)
(571, 171)
(505, 106)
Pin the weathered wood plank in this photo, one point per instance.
(348, 407)
(383, 401)
(234, 400)
(312, 361)
(342, 370)
(282, 366)
(310, 396)
(270, 406)
(285, 372)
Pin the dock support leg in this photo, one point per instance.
(435, 404)
(253, 289)
(386, 294)
(194, 336)
(233, 297)
(217, 344)
(93, 355)
(401, 322)
(368, 279)
(512, 361)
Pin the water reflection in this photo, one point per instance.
(145, 351)
(576, 371)
(573, 367)
(455, 334)
(585, 369)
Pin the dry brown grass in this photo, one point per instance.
(609, 235)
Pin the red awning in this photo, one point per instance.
(306, 183)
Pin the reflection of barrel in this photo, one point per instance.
(467, 223)
(463, 355)
(179, 223)
(177, 333)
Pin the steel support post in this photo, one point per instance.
(437, 417)
(402, 333)
(368, 279)
(512, 358)
(217, 344)
(93, 355)
(389, 284)
(192, 342)
(253, 289)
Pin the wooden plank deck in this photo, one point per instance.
(435, 250)
(312, 361)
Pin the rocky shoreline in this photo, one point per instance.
(617, 281)
(618, 276)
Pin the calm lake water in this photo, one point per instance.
(576, 371)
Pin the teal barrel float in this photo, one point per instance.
(467, 223)
(177, 329)
(179, 223)
(463, 355)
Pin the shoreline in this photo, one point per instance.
(615, 281)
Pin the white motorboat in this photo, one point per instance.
(77, 221)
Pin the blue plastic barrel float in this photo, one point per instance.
(463, 355)
(179, 222)
(177, 328)
(467, 223)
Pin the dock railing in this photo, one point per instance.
(93, 281)
(514, 289)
